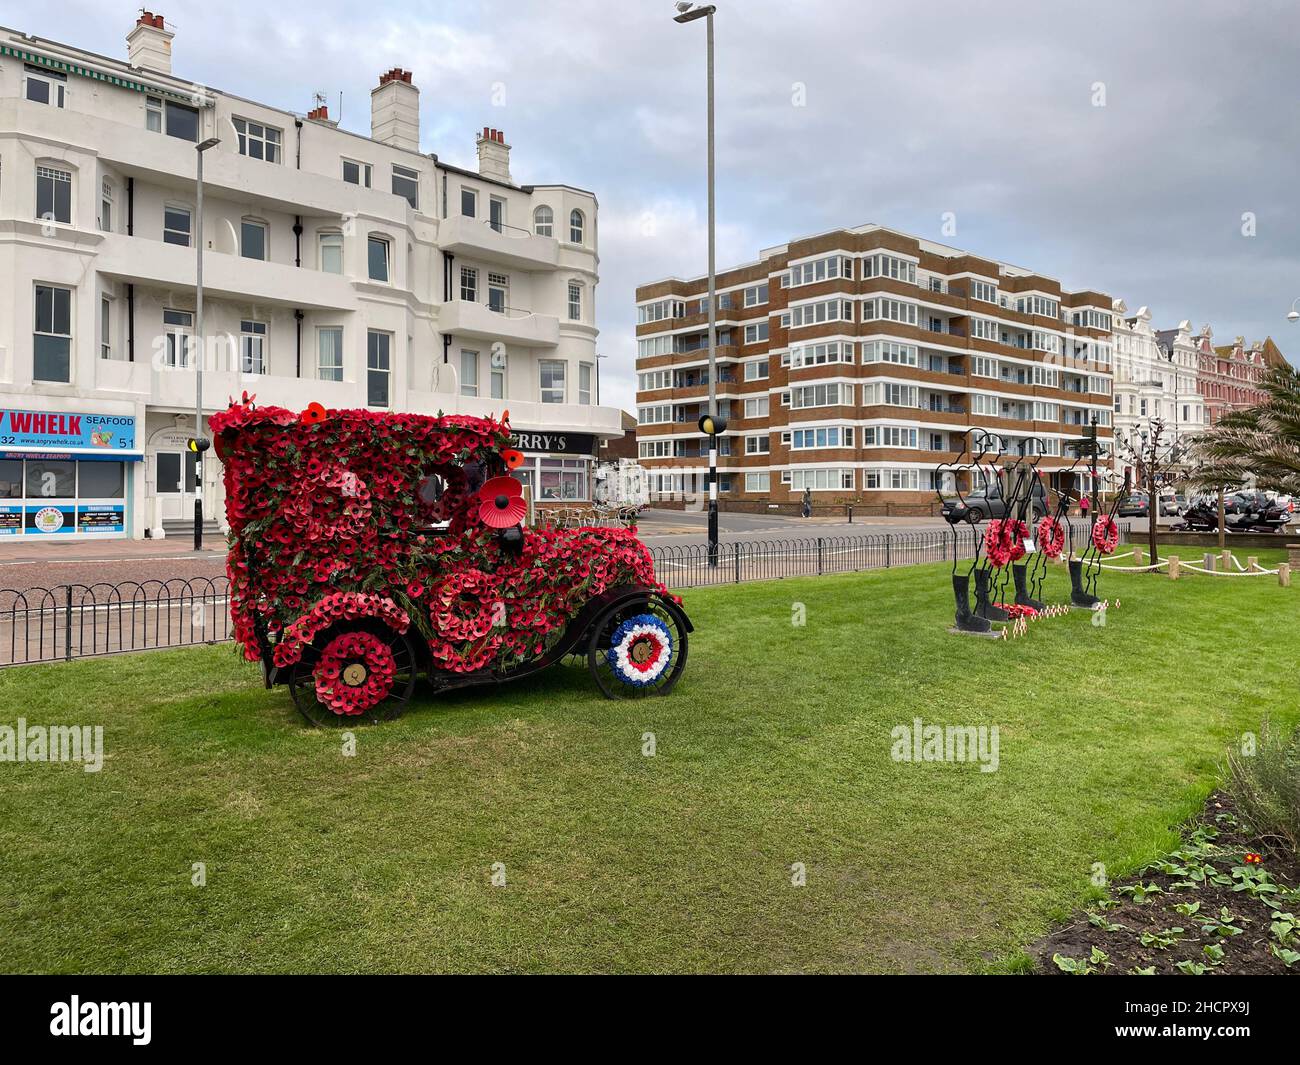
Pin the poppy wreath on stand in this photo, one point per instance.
(1105, 534)
(1005, 541)
(1051, 537)
(355, 673)
(640, 650)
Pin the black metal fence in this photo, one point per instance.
(688, 565)
(83, 620)
(70, 621)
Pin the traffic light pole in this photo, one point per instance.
(198, 366)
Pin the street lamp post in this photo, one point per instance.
(687, 12)
(200, 443)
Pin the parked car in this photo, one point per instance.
(1285, 502)
(1134, 505)
(1172, 505)
(985, 503)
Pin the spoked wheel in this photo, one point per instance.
(359, 673)
(637, 650)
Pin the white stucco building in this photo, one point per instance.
(1155, 377)
(346, 269)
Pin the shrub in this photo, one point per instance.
(1266, 785)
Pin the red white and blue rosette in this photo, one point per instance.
(640, 650)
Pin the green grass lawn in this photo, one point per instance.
(774, 750)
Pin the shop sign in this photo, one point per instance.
(550, 443)
(51, 519)
(88, 435)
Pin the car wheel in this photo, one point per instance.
(637, 650)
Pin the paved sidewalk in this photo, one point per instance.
(40, 564)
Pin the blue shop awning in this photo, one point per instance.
(87, 454)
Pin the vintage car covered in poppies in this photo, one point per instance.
(368, 550)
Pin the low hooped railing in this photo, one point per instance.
(70, 621)
(689, 565)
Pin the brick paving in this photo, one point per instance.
(43, 565)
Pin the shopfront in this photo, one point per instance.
(66, 474)
(557, 466)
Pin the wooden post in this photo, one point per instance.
(1138, 559)
(1284, 574)
(1209, 561)
(1173, 567)
(1252, 563)
(1225, 557)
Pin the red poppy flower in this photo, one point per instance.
(1253, 859)
(313, 414)
(501, 503)
(514, 459)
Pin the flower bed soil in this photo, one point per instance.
(1216, 844)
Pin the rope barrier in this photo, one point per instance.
(1226, 573)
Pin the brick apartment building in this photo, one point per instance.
(853, 363)
(1227, 375)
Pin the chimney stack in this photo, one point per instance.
(494, 155)
(321, 113)
(149, 44)
(395, 110)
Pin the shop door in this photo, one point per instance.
(174, 490)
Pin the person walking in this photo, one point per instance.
(1083, 503)
(807, 502)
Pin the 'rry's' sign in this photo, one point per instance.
(57, 429)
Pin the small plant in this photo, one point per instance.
(1192, 968)
(1213, 953)
(1078, 967)
(1266, 785)
(1161, 940)
(1187, 909)
(1149, 970)
(1099, 920)
(1253, 880)
(1284, 927)
(1224, 925)
(1141, 892)
(1283, 954)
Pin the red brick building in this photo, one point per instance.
(1228, 376)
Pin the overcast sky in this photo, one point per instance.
(832, 113)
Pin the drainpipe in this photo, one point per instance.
(130, 287)
(297, 323)
(297, 240)
(446, 348)
(298, 125)
(130, 322)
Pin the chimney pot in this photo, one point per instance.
(149, 44)
(494, 155)
(395, 110)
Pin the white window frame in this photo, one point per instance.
(327, 372)
(548, 393)
(543, 224)
(252, 346)
(469, 366)
(251, 134)
(365, 172)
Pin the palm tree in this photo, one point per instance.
(1261, 441)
